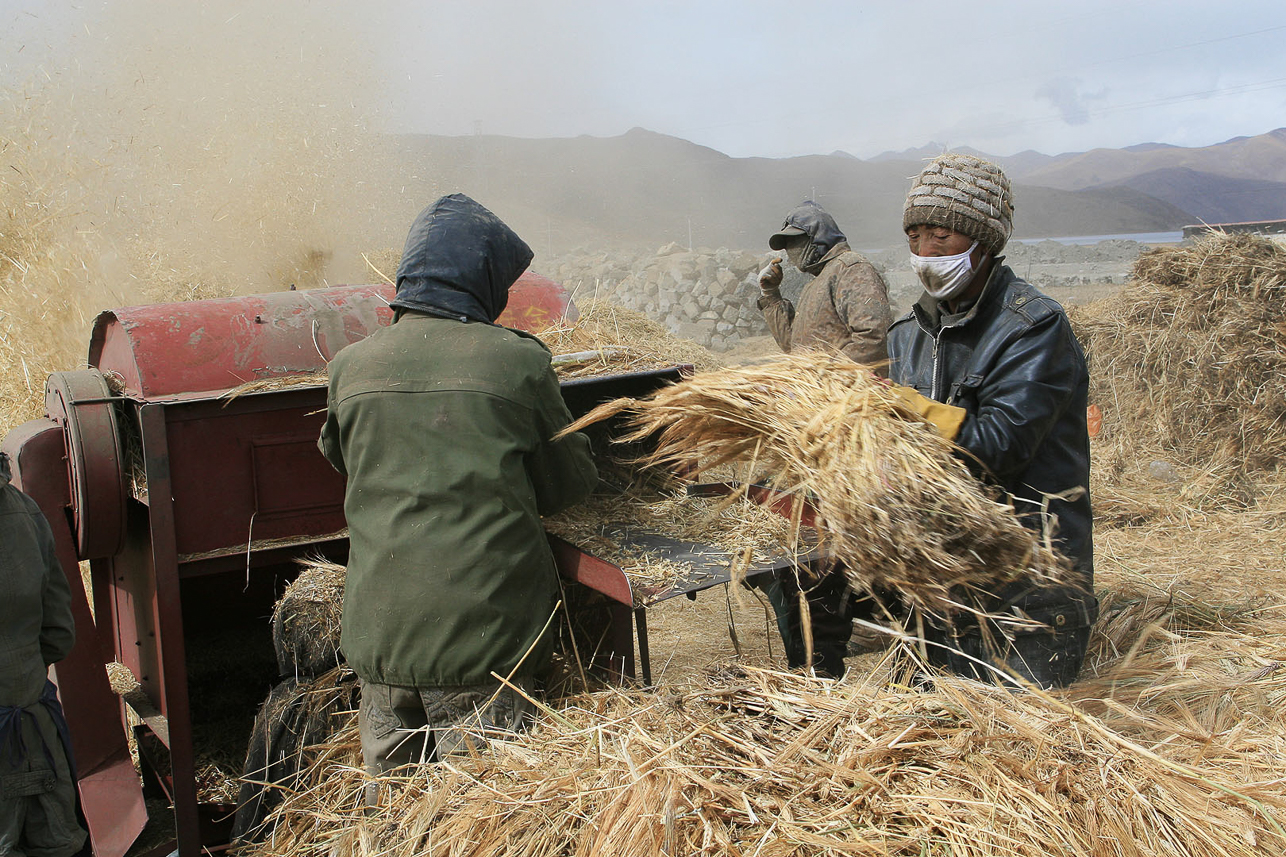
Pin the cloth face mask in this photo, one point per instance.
(944, 277)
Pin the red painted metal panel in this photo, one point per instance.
(536, 303)
(133, 606)
(250, 471)
(110, 791)
(599, 575)
(204, 346)
(211, 345)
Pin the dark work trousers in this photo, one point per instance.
(828, 609)
(407, 726)
(1046, 658)
(38, 807)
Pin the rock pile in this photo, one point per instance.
(704, 295)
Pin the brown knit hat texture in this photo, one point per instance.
(966, 194)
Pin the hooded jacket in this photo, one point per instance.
(459, 262)
(1013, 363)
(844, 308)
(443, 425)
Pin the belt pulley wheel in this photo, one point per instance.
(83, 404)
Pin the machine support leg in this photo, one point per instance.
(645, 660)
(169, 622)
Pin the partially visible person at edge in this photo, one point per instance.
(37, 775)
(843, 309)
(442, 424)
(1004, 358)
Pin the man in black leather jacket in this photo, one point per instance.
(983, 340)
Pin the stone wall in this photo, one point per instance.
(708, 296)
(704, 295)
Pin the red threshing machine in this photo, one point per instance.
(191, 506)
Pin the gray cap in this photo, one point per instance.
(779, 240)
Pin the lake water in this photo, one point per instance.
(1141, 237)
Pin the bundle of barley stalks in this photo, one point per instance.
(752, 761)
(306, 619)
(895, 505)
(1187, 363)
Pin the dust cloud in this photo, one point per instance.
(156, 151)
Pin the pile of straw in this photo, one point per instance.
(1188, 362)
(739, 528)
(894, 504)
(762, 762)
(44, 302)
(624, 341)
(306, 619)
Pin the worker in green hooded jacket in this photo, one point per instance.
(443, 425)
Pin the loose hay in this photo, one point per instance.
(626, 341)
(306, 619)
(761, 762)
(895, 505)
(1187, 364)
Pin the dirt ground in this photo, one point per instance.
(687, 635)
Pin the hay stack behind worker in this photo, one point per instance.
(442, 424)
(37, 782)
(1003, 355)
(843, 309)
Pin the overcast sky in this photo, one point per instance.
(753, 78)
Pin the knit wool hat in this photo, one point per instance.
(966, 194)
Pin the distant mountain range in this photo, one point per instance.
(643, 189)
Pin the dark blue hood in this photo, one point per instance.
(459, 262)
(809, 218)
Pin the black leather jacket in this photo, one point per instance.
(1012, 361)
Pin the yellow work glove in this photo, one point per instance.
(946, 419)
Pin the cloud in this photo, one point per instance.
(1072, 105)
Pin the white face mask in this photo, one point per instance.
(944, 277)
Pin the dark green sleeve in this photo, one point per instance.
(562, 472)
(328, 442)
(57, 627)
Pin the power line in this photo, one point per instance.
(1184, 47)
(1219, 92)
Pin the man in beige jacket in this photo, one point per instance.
(844, 308)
